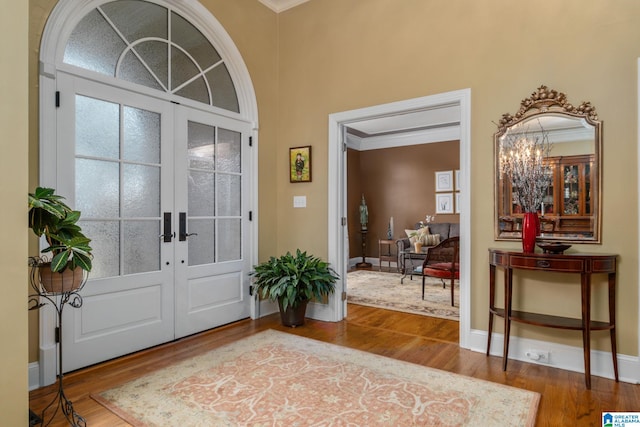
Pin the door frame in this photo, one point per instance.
(337, 202)
(63, 18)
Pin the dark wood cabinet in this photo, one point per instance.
(567, 206)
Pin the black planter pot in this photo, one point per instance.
(293, 316)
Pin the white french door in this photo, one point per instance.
(162, 192)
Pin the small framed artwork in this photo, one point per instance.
(444, 203)
(458, 186)
(444, 181)
(300, 164)
(458, 203)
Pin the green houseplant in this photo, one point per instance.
(293, 280)
(71, 254)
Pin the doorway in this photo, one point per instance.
(338, 236)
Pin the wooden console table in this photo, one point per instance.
(583, 264)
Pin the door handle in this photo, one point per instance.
(182, 233)
(168, 234)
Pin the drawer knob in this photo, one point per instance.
(543, 264)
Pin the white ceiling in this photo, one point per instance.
(281, 5)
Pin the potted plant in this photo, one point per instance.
(293, 280)
(71, 254)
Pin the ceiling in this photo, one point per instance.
(281, 5)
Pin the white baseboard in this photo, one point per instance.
(34, 375)
(560, 356)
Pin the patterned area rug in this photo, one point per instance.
(278, 379)
(383, 290)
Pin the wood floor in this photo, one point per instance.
(418, 339)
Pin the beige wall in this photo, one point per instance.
(13, 252)
(397, 182)
(338, 55)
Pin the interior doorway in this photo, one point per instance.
(338, 234)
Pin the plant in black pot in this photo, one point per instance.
(293, 280)
(70, 252)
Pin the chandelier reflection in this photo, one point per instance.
(522, 162)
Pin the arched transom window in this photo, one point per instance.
(150, 45)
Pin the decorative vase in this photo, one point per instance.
(530, 230)
(418, 247)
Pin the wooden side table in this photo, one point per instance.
(583, 264)
(387, 255)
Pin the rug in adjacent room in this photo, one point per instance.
(383, 290)
(278, 379)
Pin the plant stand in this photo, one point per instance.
(58, 300)
(364, 263)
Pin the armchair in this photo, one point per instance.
(443, 261)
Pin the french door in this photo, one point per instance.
(163, 193)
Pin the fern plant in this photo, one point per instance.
(291, 279)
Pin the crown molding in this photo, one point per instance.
(281, 5)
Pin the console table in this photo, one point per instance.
(583, 264)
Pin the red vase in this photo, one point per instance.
(530, 230)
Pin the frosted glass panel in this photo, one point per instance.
(155, 54)
(127, 16)
(141, 191)
(97, 188)
(229, 151)
(141, 246)
(196, 90)
(229, 233)
(105, 242)
(201, 193)
(131, 69)
(189, 38)
(94, 45)
(202, 246)
(201, 146)
(182, 68)
(141, 135)
(222, 88)
(97, 128)
(229, 193)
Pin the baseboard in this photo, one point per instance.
(34, 375)
(560, 356)
(371, 260)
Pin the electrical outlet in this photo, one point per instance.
(539, 356)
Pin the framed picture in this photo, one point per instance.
(300, 164)
(458, 186)
(458, 203)
(444, 203)
(444, 181)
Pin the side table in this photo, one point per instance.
(387, 255)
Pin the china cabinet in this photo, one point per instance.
(567, 206)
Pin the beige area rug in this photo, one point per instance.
(383, 290)
(278, 379)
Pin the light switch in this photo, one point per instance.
(299, 201)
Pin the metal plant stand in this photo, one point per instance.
(58, 300)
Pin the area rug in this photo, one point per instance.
(279, 379)
(383, 290)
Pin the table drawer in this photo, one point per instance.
(547, 263)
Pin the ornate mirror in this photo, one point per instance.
(569, 208)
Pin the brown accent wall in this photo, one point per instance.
(397, 182)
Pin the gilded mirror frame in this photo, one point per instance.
(561, 224)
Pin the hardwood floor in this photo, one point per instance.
(418, 339)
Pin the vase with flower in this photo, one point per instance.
(522, 161)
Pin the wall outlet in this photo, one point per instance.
(539, 356)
